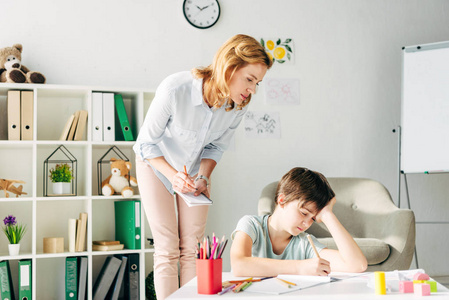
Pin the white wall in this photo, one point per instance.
(348, 61)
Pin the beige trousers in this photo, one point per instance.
(174, 236)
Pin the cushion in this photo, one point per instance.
(375, 251)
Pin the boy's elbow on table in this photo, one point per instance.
(359, 266)
(363, 265)
(237, 267)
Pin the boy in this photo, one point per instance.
(277, 244)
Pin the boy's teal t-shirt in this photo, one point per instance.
(257, 228)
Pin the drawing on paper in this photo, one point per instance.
(262, 125)
(279, 51)
(282, 91)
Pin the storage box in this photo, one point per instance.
(53, 244)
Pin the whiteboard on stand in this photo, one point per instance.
(425, 108)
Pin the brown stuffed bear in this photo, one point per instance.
(12, 70)
(117, 182)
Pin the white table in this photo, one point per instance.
(352, 288)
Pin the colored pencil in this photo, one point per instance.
(246, 285)
(222, 248)
(227, 289)
(213, 251)
(280, 281)
(287, 282)
(239, 287)
(247, 280)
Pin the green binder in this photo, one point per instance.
(25, 279)
(71, 278)
(127, 223)
(6, 287)
(123, 118)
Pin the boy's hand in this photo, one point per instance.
(326, 210)
(314, 266)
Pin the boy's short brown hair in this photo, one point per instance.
(305, 185)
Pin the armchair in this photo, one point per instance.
(384, 233)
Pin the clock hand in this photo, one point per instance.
(204, 7)
(199, 7)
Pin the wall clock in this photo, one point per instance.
(201, 13)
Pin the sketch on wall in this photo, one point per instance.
(262, 125)
(280, 91)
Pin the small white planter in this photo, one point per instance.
(14, 249)
(61, 188)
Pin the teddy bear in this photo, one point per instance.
(119, 181)
(12, 70)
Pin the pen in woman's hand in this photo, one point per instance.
(187, 175)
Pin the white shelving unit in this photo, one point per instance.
(48, 216)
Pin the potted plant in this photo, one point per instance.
(14, 232)
(61, 176)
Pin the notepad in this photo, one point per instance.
(272, 285)
(192, 200)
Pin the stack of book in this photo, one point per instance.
(75, 127)
(107, 245)
(77, 233)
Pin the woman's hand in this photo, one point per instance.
(183, 183)
(201, 187)
(326, 210)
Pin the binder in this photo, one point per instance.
(74, 124)
(116, 287)
(3, 119)
(25, 289)
(13, 104)
(132, 282)
(106, 277)
(108, 117)
(82, 276)
(71, 278)
(26, 116)
(97, 117)
(6, 286)
(81, 126)
(123, 118)
(127, 223)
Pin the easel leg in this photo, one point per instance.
(409, 206)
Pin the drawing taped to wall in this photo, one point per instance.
(280, 91)
(280, 50)
(262, 125)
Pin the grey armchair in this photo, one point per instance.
(385, 233)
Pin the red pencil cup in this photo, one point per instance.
(208, 272)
